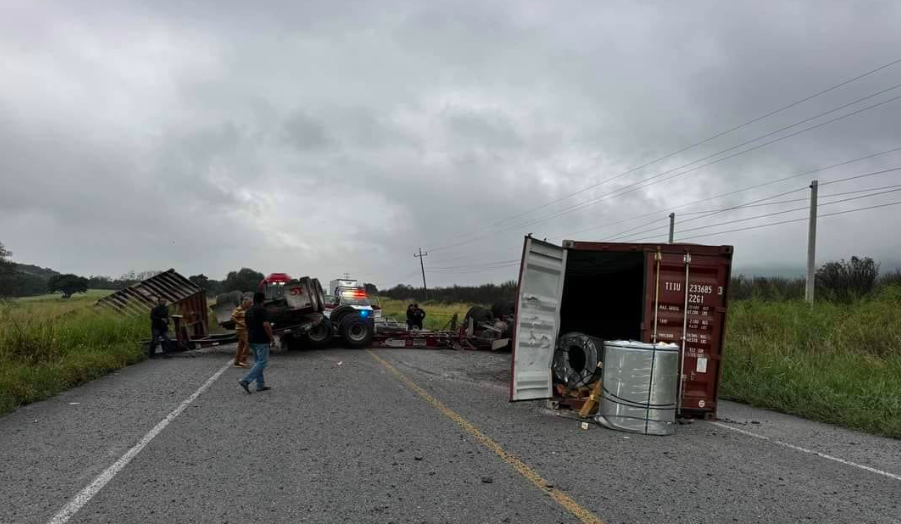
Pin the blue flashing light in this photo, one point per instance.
(364, 313)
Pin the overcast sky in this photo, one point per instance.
(323, 137)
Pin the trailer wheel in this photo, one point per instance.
(356, 331)
(319, 336)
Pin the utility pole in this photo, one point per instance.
(425, 288)
(812, 243)
(672, 226)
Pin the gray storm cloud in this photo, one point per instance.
(323, 137)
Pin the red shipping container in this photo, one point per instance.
(619, 291)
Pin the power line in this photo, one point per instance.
(742, 190)
(476, 265)
(778, 202)
(704, 141)
(654, 179)
(630, 188)
(753, 203)
(793, 221)
(758, 217)
(726, 209)
(747, 204)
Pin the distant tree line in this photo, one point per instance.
(836, 281)
(15, 282)
(483, 294)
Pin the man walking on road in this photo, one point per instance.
(238, 316)
(159, 328)
(259, 336)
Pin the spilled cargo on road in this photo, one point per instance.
(657, 294)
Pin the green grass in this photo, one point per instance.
(839, 364)
(437, 314)
(49, 345)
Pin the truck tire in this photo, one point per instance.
(356, 331)
(319, 336)
(503, 308)
(318, 295)
(478, 314)
(338, 314)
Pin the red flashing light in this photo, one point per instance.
(275, 278)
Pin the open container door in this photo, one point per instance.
(537, 323)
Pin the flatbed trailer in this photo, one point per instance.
(436, 340)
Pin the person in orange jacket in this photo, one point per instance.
(241, 331)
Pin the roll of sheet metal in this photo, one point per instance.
(576, 359)
(640, 387)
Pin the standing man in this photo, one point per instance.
(238, 316)
(411, 317)
(259, 336)
(419, 314)
(159, 328)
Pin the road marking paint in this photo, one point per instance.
(810, 451)
(530, 474)
(85, 495)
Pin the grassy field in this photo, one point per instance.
(437, 314)
(839, 364)
(48, 344)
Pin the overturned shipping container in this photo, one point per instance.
(615, 291)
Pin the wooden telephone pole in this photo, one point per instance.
(419, 255)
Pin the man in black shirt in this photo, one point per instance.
(259, 336)
(159, 328)
(418, 316)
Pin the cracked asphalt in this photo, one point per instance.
(341, 438)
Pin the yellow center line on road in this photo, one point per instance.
(521, 467)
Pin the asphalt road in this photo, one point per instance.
(411, 436)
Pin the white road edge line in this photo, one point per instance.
(810, 451)
(85, 495)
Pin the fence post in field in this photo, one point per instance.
(812, 244)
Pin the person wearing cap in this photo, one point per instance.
(238, 317)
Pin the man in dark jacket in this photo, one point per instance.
(418, 316)
(411, 316)
(159, 328)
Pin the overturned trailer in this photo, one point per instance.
(190, 313)
(615, 292)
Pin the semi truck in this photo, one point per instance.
(297, 311)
